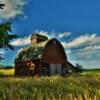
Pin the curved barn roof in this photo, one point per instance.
(33, 51)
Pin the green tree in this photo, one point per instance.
(79, 67)
(1, 6)
(5, 37)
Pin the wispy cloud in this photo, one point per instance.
(44, 33)
(84, 49)
(12, 8)
(89, 48)
(54, 34)
(21, 41)
(2, 51)
(64, 34)
(82, 40)
(26, 40)
(68, 51)
(86, 46)
(89, 51)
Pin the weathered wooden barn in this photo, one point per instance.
(43, 57)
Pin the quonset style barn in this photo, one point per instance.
(43, 57)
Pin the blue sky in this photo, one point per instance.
(75, 23)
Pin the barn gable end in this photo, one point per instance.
(54, 52)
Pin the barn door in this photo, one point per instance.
(55, 69)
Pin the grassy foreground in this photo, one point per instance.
(85, 86)
(82, 87)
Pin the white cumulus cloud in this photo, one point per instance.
(86, 39)
(12, 8)
(85, 49)
(21, 41)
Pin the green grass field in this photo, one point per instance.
(84, 86)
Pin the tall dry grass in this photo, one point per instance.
(82, 87)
